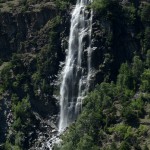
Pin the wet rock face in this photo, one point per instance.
(17, 31)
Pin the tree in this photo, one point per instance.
(124, 146)
(137, 67)
(147, 38)
(145, 81)
(145, 14)
(129, 115)
(146, 148)
(125, 78)
(113, 146)
(148, 59)
(86, 143)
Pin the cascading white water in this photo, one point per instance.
(77, 69)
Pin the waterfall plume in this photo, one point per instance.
(77, 69)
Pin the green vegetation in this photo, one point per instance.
(28, 83)
(112, 110)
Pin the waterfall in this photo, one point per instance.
(77, 70)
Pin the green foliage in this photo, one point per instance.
(62, 4)
(130, 14)
(19, 140)
(7, 146)
(145, 85)
(129, 115)
(124, 146)
(108, 9)
(113, 146)
(6, 76)
(145, 14)
(100, 108)
(147, 38)
(138, 107)
(93, 118)
(148, 59)
(125, 77)
(146, 148)
(142, 130)
(17, 124)
(21, 110)
(86, 143)
(123, 132)
(102, 5)
(137, 67)
(29, 77)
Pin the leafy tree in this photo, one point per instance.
(125, 78)
(7, 146)
(86, 143)
(129, 115)
(19, 139)
(17, 125)
(6, 76)
(124, 146)
(146, 148)
(147, 38)
(22, 109)
(137, 67)
(148, 59)
(113, 146)
(145, 14)
(145, 85)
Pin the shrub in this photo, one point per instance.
(147, 38)
(145, 81)
(125, 77)
(148, 59)
(125, 146)
(145, 14)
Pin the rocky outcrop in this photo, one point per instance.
(113, 43)
(20, 32)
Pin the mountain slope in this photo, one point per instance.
(33, 40)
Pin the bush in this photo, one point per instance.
(17, 125)
(19, 138)
(129, 115)
(125, 77)
(145, 81)
(147, 38)
(137, 67)
(125, 146)
(148, 59)
(113, 146)
(145, 14)
(7, 146)
(22, 109)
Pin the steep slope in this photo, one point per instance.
(115, 115)
(32, 44)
